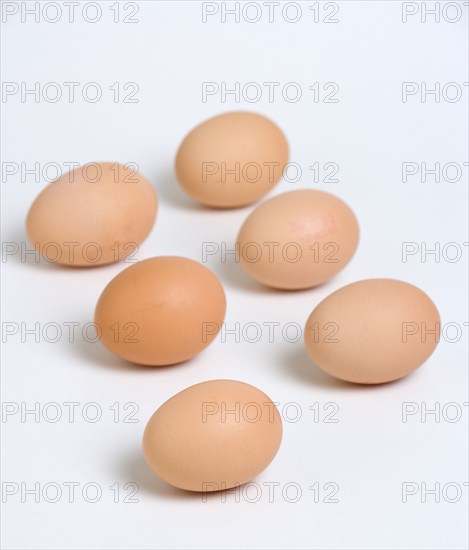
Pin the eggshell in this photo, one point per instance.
(160, 311)
(373, 331)
(213, 436)
(93, 215)
(298, 239)
(231, 159)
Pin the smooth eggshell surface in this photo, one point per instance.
(213, 436)
(298, 239)
(373, 331)
(93, 215)
(232, 159)
(160, 311)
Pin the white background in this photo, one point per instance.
(369, 133)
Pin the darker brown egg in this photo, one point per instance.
(160, 311)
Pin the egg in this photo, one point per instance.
(93, 215)
(160, 311)
(213, 436)
(232, 159)
(373, 331)
(298, 239)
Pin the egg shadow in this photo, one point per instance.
(299, 364)
(133, 467)
(30, 257)
(95, 353)
(26, 256)
(169, 191)
(233, 275)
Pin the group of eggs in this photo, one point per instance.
(164, 310)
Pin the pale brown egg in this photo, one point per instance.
(96, 214)
(231, 159)
(373, 331)
(213, 436)
(298, 239)
(160, 311)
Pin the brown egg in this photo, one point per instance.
(373, 331)
(298, 239)
(160, 311)
(93, 215)
(213, 436)
(232, 159)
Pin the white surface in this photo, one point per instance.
(370, 452)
